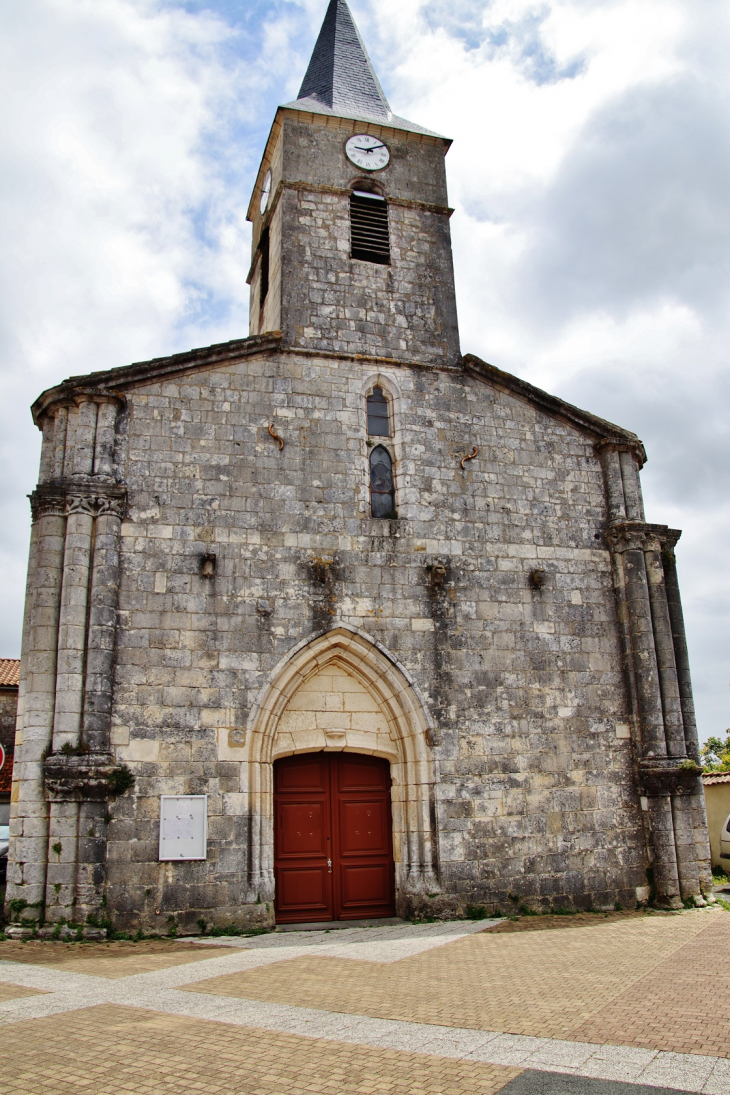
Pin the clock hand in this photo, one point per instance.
(368, 150)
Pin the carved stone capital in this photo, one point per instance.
(669, 776)
(97, 504)
(47, 502)
(98, 395)
(79, 778)
(67, 395)
(670, 541)
(639, 536)
(622, 444)
(90, 495)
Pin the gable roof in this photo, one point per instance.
(552, 405)
(225, 353)
(340, 79)
(9, 672)
(145, 372)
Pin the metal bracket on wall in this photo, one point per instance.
(469, 456)
(275, 436)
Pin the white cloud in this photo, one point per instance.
(589, 173)
(117, 229)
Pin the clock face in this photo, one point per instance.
(265, 191)
(367, 152)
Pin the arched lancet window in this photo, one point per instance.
(264, 283)
(382, 487)
(369, 235)
(378, 416)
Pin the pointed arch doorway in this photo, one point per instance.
(341, 692)
(333, 844)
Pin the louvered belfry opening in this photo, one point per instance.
(369, 227)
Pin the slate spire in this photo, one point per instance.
(340, 74)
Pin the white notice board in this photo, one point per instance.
(183, 826)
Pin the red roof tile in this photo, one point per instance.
(9, 672)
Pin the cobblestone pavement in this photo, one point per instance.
(635, 1006)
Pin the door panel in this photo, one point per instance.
(358, 773)
(333, 856)
(304, 773)
(365, 887)
(363, 828)
(302, 839)
(361, 836)
(302, 827)
(303, 889)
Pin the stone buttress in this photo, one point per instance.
(66, 773)
(657, 669)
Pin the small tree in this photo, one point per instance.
(716, 754)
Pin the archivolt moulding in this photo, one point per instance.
(403, 739)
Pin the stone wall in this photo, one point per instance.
(522, 675)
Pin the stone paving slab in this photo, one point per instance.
(427, 934)
(683, 1004)
(114, 1050)
(16, 992)
(544, 984)
(62, 994)
(505, 1050)
(103, 960)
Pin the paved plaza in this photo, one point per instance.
(634, 1005)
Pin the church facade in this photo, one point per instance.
(334, 621)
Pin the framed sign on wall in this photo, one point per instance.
(183, 827)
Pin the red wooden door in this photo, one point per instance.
(303, 838)
(333, 848)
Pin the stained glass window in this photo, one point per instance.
(378, 417)
(382, 492)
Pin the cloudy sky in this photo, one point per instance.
(590, 174)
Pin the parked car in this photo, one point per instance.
(725, 840)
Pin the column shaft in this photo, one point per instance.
(664, 646)
(684, 840)
(702, 840)
(47, 451)
(691, 738)
(102, 634)
(614, 484)
(681, 656)
(60, 427)
(105, 438)
(91, 859)
(666, 871)
(72, 631)
(27, 859)
(632, 487)
(84, 438)
(63, 833)
(645, 662)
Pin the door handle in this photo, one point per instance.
(329, 866)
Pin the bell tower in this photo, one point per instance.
(351, 250)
